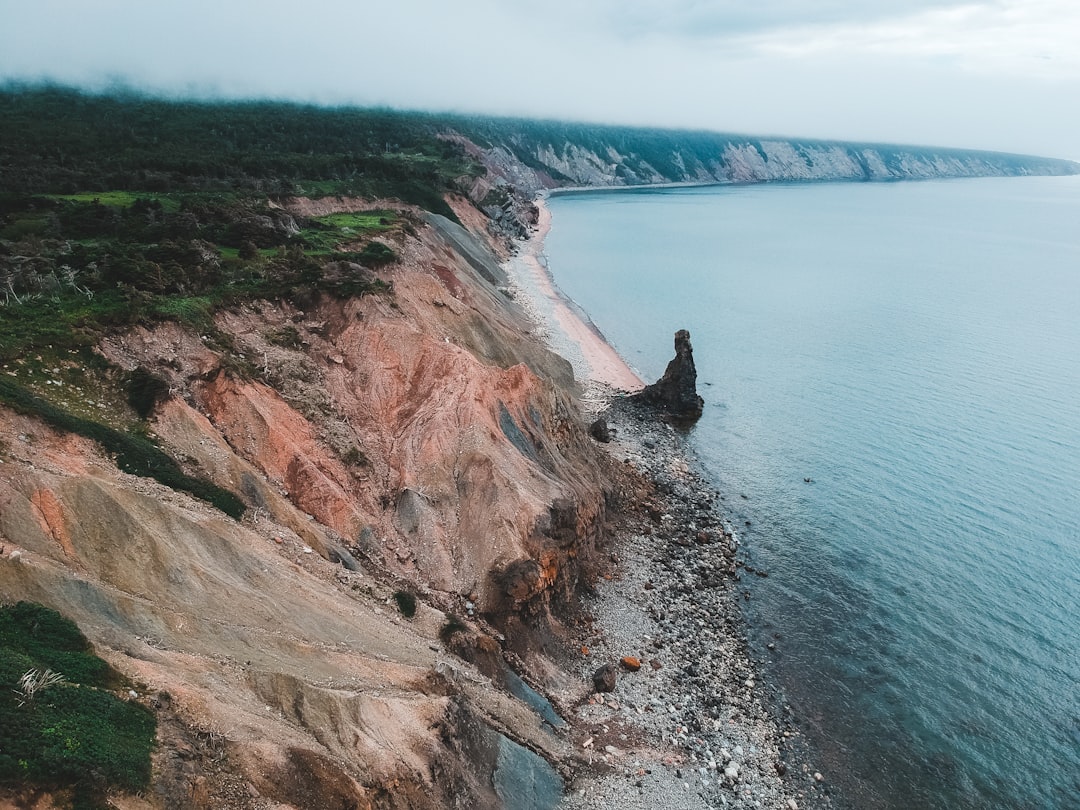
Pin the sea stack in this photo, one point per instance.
(675, 393)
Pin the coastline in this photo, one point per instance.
(568, 333)
(695, 727)
(569, 190)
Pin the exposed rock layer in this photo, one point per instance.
(538, 156)
(675, 393)
(422, 441)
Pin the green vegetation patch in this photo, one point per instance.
(195, 311)
(133, 454)
(76, 268)
(68, 321)
(323, 235)
(360, 222)
(51, 642)
(120, 199)
(60, 141)
(124, 210)
(60, 728)
(406, 603)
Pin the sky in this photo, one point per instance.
(982, 74)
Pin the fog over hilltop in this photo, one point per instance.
(983, 75)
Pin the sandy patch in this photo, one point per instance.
(569, 334)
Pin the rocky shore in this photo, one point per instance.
(689, 722)
(672, 711)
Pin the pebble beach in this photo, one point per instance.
(688, 722)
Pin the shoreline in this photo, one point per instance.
(596, 360)
(695, 727)
(568, 190)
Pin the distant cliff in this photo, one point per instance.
(534, 155)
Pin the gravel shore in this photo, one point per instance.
(689, 723)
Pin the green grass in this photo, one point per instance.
(120, 199)
(195, 311)
(70, 321)
(327, 233)
(72, 735)
(117, 199)
(360, 222)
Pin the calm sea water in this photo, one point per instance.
(914, 349)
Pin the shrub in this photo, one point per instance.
(406, 603)
(43, 636)
(452, 625)
(376, 254)
(144, 391)
(64, 731)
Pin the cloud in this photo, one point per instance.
(717, 19)
(1033, 38)
(982, 73)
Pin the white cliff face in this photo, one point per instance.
(582, 165)
(874, 164)
(591, 160)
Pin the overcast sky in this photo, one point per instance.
(990, 74)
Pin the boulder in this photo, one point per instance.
(599, 430)
(521, 579)
(337, 554)
(604, 678)
(675, 394)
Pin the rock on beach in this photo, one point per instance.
(695, 728)
(675, 393)
(605, 678)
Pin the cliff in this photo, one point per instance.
(275, 435)
(417, 442)
(536, 155)
(522, 158)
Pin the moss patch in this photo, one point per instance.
(73, 734)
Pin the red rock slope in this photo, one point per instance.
(421, 441)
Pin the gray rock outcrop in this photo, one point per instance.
(675, 394)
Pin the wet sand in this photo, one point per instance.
(569, 333)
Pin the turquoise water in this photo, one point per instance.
(914, 349)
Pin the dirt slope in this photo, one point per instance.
(420, 441)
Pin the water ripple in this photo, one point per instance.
(913, 348)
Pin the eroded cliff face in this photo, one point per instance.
(552, 156)
(530, 157)
(420, 441)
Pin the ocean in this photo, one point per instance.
(891, 375)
